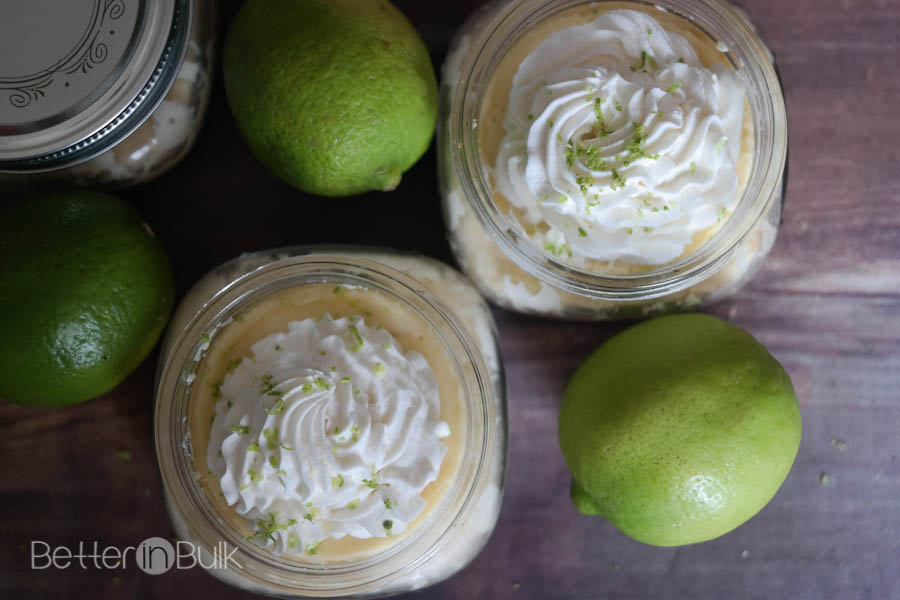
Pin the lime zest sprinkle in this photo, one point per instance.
(387, 524)
(254, 447)
(550, 122)
(240, 429)
(337, 481)
(648, 229)
(274, 461)
(693, 166)
(353, 503)
(266, 528)
(618, 181)
(618, 106)
(379, 369)
(719, 145)
(636, 147)
(531, 116)
(233, 364)
(321, 383)
(600, 129)
(277, 347)
(673, 87)
(292, 540)
(629, 230)
(346, 379)
(267, 383)
(277, 408)
(204, 339)
(388, 504)
(311, 549)
(584, 183)
(255, 476)
(271, 436)
(642, 64)
(355, 431)
(306, 387)
(353, 332)
(582, 232)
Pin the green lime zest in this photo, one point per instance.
(271, 436)
(277, 408)
(618, 181)
(254, 447)
(354, 336)
(582, 232)
(240, 429)
(600, 128)
(337, 481)
(388, 504)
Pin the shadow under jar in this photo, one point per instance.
(100, 93)
(313, 467)
(606, 160)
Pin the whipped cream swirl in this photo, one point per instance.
(327, 430)
(620, 144)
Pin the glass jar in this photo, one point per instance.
(100, 93)
(516, 273)
(454, 532)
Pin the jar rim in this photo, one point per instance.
(126, 99)
(191, 504)
(749, 55)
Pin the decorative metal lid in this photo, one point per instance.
(76, 77)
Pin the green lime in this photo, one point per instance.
(678, 429)
(335, 97)
(85, 291)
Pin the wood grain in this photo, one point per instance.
(826, 303)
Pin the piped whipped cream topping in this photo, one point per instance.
(327, 430)
(620, 144)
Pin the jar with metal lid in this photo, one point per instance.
(100, 93)
(578, 148)
(387, 304)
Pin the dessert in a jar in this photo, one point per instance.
(101, 93)
(610, 159)
(326, 414)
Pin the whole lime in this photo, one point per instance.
(85, 291)
(335, 97)
(678, 429)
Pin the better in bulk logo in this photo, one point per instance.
(153, 556)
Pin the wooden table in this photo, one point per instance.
(826, 303)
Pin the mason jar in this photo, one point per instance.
(100, 93)
(435, 305)
(617, 269)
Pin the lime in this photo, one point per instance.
(85, 291)
(335, 97)
(678, 429)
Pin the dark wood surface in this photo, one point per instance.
(826, 303)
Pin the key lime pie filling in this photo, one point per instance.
(615, 140)
(336, 417)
